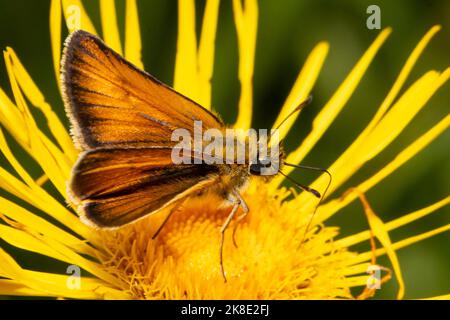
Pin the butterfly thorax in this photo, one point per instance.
(246, 161)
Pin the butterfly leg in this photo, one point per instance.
(240, 218)
(172, 211)
(237, 203)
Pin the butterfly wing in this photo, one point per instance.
(113, 187)
(112, 103)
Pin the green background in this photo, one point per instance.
(287, 32)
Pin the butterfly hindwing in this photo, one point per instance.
(113, 187)
(112, 103)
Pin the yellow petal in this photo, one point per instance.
(401, 79)
(12, 160)
(35, 195)
(356, 281)
(56, 173)
(42, 200)
(330, 111)
(44, 245)
(12, 119)
(17, 188)
(400, 244)
(76, 16)
(409, 152)
(55, 35)
(41, 180)
(392, 124)
(380, 231)
(357, 268)
(206, 52)
(401, 114)
(35, 189)
(37, 150)
(246, 20)
(17, 288)
(36, 97)
(39, 225)
(394, 224)
(443, 297)
(52, 284)
(15, 122)
(302, 87)
(110, 29)
(342, 163)
(133, 35)
(23, 240)
(185, 79)
(64, 163)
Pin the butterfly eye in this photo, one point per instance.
(256, 168)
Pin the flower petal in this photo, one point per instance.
(76, 16)
(206, 52)
(44, 245)
(394, 224)
(342, 163)
(17, 288)
(400, 244)
(47, 162)
(25, 241)
(45, 202)
(333, 206)
(185, 80)
(55, 35)
(51, 284)
(356, 281)
(330, 111)
(246, 20)
(12, 119)
(392, 124)
(401, 79)
(443, 297)
(357, 268)
(302, 87)
(35, 195)
(110, 29)
(90, 288)
(36, 97)
(37, 224)
(133, 35)
(380, 231)
(401, 114)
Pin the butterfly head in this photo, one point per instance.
(268, 165)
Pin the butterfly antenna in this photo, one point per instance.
(297, 109)
(311, 190)
(301, 186)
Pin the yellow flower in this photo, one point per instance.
(183, 262)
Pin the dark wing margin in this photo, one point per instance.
(112, 103)
(113, 187)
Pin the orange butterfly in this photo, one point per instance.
(122, 119)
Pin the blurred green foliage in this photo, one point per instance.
(288, 30)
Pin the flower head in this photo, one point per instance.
(278, 255)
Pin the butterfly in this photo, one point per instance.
(122, 119)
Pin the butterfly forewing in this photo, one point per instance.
(112, 103)
(123, 118)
